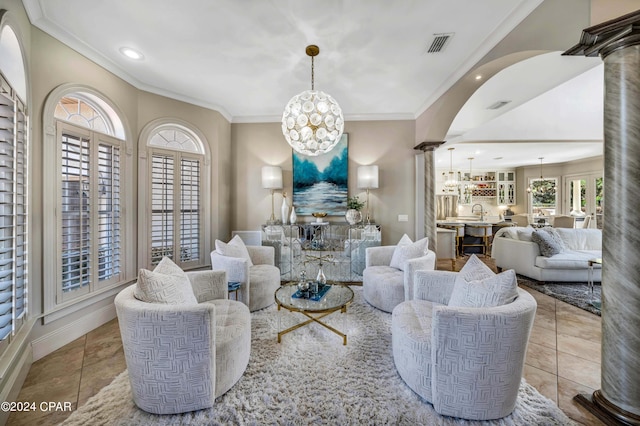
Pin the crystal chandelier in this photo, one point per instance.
(540, 189)
(312, 122)
(451, 184)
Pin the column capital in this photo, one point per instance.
(607, 37)
(428, 145)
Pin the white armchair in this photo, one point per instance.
(181, 357)
(385, 286)
(466, 361)
(259, 279)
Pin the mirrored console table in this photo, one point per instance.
(336, 247)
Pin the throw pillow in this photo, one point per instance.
(167, 283)
(489, 292)
(474, 269)
(556, 237)
(525, 234)
(548, 245)
(234, 248)
(404, 252)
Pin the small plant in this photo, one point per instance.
(354, 203)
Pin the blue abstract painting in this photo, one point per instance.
(320, 183)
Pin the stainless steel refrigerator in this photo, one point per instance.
(446, 206)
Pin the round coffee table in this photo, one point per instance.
(336, 299)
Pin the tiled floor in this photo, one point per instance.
(563, 360)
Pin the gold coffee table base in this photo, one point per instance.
(316, 320)
(337, 298)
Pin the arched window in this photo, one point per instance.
(14, 178)
(173, 178)
(84, 181)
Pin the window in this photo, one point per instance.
(544, 196)
(13, 210)
(84, 175)
(175, 189)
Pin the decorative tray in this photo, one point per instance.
(312, 296)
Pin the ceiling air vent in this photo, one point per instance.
(498, 104)
(439, 42)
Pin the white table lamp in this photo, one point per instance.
(368, 179)
(272, 179)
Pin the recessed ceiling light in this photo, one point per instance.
(478, 77)
(131, 53)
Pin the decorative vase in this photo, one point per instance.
(285, 208)
(293, 218)
(321, 278)
(353, 216)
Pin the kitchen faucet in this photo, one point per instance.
(481, 211)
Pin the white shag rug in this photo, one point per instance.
(311, 378)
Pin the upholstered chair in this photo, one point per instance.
(466, 361)
(563, 221)
(182, 355)
(388, 275)
(251, 266)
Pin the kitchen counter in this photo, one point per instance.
(489, 220)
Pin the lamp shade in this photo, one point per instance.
(368, 177)
(271, 177)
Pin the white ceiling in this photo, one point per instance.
(246, 58)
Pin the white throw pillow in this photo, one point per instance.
(407, 250)
(474, 270)
(167, 283)
(234, 248)
(496, 290)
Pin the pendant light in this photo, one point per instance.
(451, 184)
(312, 122)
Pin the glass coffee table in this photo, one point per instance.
(595, 303)
(336, 299)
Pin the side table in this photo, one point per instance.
(233, 287)
(595, 303)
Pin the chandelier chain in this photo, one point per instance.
(312, 75)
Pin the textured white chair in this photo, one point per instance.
(384, 286)
(466, 361)
(259, 279)
(181, 357)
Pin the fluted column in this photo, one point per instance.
(429, 191)
(618, 43)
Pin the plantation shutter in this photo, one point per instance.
(176, 207)
(162, 220)
(109, 211)
(190, 210)
(13, 215)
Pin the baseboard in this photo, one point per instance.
(12, 386)
(50, 342)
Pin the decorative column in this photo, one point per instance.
(618, 43)
(429, 190)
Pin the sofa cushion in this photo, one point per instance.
(524, 234)
(570, 259)
(167, 283)
(496, 290)
(549, 245)
(407, 250)
(581, 239)
(234, 248)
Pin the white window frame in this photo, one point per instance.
(557, 205)
(145, 152)
(52, 187)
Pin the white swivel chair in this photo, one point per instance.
(181, 357)
(385, 286)
(466, 361)
(259, 279)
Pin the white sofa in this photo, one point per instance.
(513, 249)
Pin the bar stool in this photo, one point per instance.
(478, 235)
(459, 228)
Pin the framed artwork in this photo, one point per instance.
(320, 182)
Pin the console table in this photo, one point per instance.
(337, 246)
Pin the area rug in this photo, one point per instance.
(576, 294)
(311, 378)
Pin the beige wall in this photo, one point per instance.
(389, 144)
